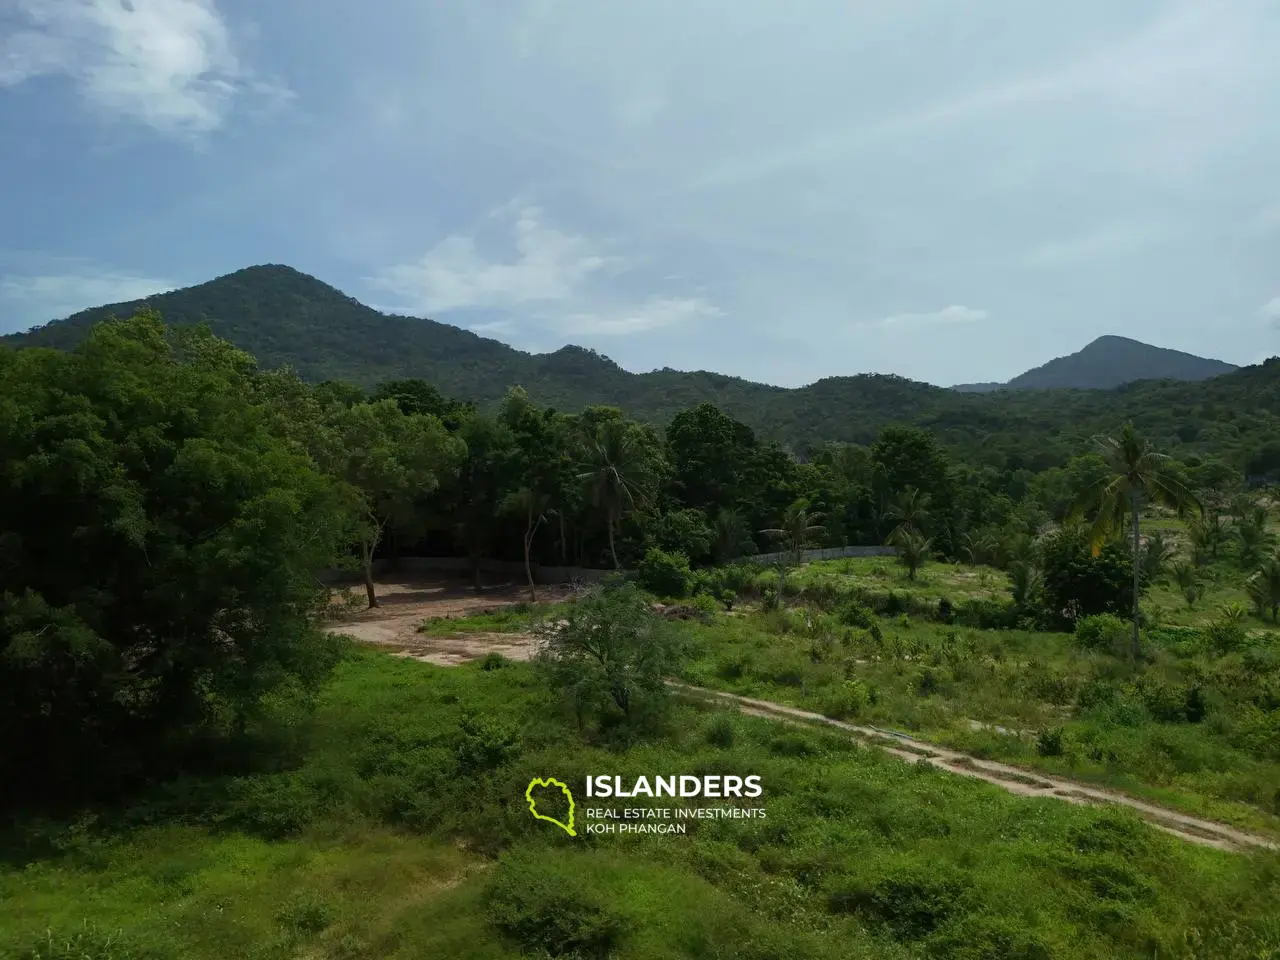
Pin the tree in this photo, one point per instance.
(610, 655)
(158, 545)
(1207, 533)
(799, 529)
(616, 469)
(1156, 554)
(731, 537)
(709, 453)
(391, 460)
(488, 474)
(1253, 536)
(1138, 475)
(530, 505)
(1264, 587)
(914, 549)
(683, 531)
(1079, 582)
(911, 509)
(1187, 577)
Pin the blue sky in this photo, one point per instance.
(782, 191)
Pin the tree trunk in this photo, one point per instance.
(612, 551)
(1133, 511)
(528, 542)
(366, 567)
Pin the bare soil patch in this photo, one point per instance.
(404, 603)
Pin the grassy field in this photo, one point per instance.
(392, 824)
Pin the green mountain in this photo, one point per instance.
(286, 317)
(1109, 362)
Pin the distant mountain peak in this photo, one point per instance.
(1107, 362)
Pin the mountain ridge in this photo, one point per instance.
(285, 317)
(1107, 362)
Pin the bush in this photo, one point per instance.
(911, 898)
(89, 942)
(721, 731)
(986, 614)
(665, 574)
(1103, 632)
(1077, 583)
(855, 613)
(1049, 742)
(546, 906)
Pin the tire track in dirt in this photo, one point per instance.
(1015, 780)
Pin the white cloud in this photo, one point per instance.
(168, 64)
(946, 316)
(37, 298)
(653, 314)
(547, 266)
(552, 277)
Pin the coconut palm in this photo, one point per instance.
(732, 537)
(1137, 475)
(914, 549)
(1253, 536)
(979, 548)
(1264, 587)
(911, 509)
(1187, 577)
(799, 529)
(615, 469)
(1207, 534)
(1156, 554)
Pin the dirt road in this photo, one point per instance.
(1022, 782)
(393, 626)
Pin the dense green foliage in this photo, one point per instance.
(285, 317)
(395, 827)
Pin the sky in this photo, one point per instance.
(779, 191)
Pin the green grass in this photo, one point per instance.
(398, 829)
(950, 581)
(993, 693)
(513, 619)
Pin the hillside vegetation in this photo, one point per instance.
(195, 767)
(282, 317)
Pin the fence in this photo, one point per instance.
(504, 570)
(513, 570)
(828, 553)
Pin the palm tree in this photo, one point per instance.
(1207, 535)
(1156, 555)
(799, 529)
(732, 538)
(1253, 536)
(615, 469)
(1137, 475)
(911, 509)
(979, 548)
(914, 549)
(1264, 587)
(1187, 577)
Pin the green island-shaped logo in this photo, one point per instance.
(533, 803)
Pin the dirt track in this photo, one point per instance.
(405, 604)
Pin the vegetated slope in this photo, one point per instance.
(282, 316)
(1109, 362)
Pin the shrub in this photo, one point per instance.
(855, 613)
(1049, 742)
(305, 914)
(913, 899)
(546, 906)
(984, 613)
(88, 942)
(721, 731)
(1103, 632)
(665, 574)
(769, 598)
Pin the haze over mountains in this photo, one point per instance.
(283, 316)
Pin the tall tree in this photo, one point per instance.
(1137, 475)
(488, 474)
(391, 460)
(616, 470)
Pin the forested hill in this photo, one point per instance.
(282, 317)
